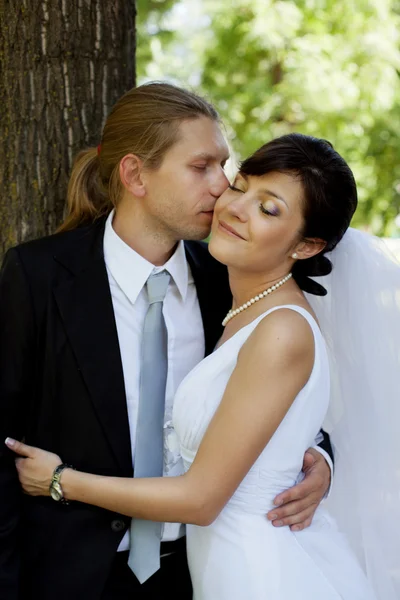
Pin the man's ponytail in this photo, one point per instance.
(87, 199)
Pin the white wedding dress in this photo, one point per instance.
(241, 556)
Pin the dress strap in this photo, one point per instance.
(299, 309)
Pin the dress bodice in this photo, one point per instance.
(280, 463)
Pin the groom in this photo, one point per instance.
(72, 314)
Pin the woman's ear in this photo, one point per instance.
(309, 247)
(130, 172)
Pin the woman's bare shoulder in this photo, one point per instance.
(281, 337)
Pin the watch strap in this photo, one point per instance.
(57, 476)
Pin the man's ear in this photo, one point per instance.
(309, 247)
(130, 172)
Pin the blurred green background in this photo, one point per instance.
(329, 68)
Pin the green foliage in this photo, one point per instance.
(329, 68)
(171, 40)
(150, 15)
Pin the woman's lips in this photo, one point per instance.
(229, 230)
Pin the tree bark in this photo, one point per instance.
(63, 64)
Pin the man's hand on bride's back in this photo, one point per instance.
(296, 506)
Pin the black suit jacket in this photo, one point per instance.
(62, 389)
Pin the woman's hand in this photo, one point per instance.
(35, 469)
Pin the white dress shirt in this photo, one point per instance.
(127, 274)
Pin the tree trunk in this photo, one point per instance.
(63, 64)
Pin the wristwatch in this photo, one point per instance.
(56, 491)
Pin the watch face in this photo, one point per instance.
(56, 492)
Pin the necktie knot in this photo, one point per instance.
(157, 285)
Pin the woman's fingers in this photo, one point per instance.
(35, 467)
(20, 448)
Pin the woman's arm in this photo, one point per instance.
(278, 357)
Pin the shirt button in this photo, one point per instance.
(117, 525)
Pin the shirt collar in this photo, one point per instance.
(131, 271)
(178, 268)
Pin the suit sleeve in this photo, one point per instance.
(325, 444)
(324, 447)
(16, 368)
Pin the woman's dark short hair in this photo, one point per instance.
(330, 194)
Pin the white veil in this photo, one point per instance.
(360, 319)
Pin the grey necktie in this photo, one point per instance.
(145, 538)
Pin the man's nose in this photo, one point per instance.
(219, 184)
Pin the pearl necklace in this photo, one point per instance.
(232, 313)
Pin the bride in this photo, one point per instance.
(247, 413)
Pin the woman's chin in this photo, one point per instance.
(219, 251)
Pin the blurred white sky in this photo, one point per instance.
(394, 245)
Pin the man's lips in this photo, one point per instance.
(228, 229)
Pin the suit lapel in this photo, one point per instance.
(211, 280)
(85, 305)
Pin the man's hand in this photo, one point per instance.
(36, 469)
(298, 504)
